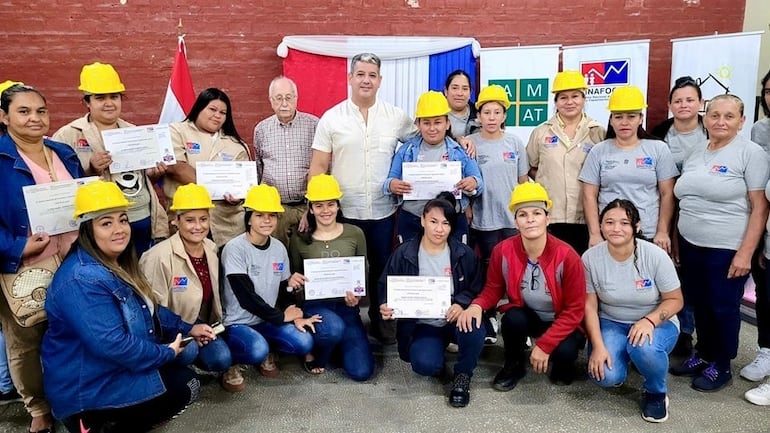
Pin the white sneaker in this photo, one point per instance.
(759, 395)
(759, 367)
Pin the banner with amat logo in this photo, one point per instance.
(608, 66)
(720, 64)
(526, 73)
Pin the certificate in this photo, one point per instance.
(430, 178)
(50, 206)
(332, 277)
(226, 177)
(138, 147)
(419, 297)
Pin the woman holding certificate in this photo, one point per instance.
(257, 307)
(340, 330)
(111, 351)
(183, 271)
(103, 97)
(28, 158)
(545, 284)
(422, 342)
(433, 144)
(208, 134)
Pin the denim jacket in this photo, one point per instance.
(14, 223)
(467, 277)
(409, 152)
(102, 348)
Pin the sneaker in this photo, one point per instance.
(10, 397)
(712, 379)
(692, 366)
(460, 394)
(509, 376)
(683, 347)
(491, 328)
(759, 395)
(759, 368)
(232, 380)
(268, 368)
(654, 407)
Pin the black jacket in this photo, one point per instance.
(466, 270)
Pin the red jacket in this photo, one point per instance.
(564, 275)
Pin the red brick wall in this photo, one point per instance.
(232, 46)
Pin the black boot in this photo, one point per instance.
(461, 391)
(509, 376)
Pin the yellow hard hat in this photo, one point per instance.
(626, 98)
(432, 104)
(191, 197)
(493, 93)
(98, 196)
(263, 198)
(100, 79)
(529, 192)
(8, 83)
(568, 79)
(323, 187)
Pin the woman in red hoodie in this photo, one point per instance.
(546, 287)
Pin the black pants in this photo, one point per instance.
(182, 388)
(519, 323)
(762, 290)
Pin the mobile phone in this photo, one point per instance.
(187, 340)
(218, 327)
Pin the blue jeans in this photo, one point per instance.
(409, 226)
(686, 318)
(379, 244)
(6, 385)
(424, 346)
(214, 356)
(246, 344)
(716, 300)
(650, 359)
(341, 331)
(286, 337)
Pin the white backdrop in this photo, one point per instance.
(721, 64)
(607, 66)
(527, 74)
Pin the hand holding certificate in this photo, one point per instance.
(50, 206)
(413, 297)
(332, 277)
(138, 147)
(430, 178)
(226, 177)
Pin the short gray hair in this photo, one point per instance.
(726, 97)
(281, 77)
(365, 58)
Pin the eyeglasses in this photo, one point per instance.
(280, 98)
(534, 282)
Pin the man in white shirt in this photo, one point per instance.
(355, 142)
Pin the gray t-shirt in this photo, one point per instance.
(682, 144)
(760, 134)
(631, 289)
(631, 174)
(438, 265)
(713, 193)
(427, 153)
(501, 162)
(265, 268)
(536, 294)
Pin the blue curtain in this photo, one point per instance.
(442, 64)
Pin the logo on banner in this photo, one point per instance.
(529, 100)
(613, 72)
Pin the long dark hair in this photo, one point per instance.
(312, 222)
(762, 100)
(632, 213)
(446, 202)
(214, 94)
(128, 263)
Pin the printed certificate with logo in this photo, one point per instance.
(226, 177)
(430, 178)
(139, 147)
(413, 297)
(50, 206)
(332, 277)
